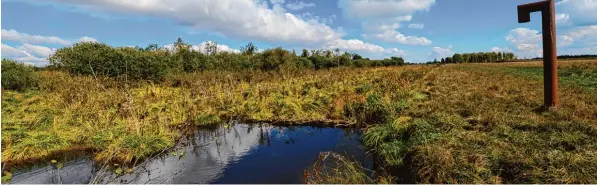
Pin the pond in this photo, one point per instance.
(237, 153)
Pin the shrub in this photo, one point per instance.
(304, 62)
(89, 59)
(321, 62)
(139, 65)
(99, 59)
(272, 59)
(18, 76)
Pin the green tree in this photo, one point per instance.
(305, 53)
(458, 58)
(249, 49)
(356, 56)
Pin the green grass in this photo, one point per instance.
(582, 74)
(584, 78)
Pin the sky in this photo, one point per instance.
(418, 30)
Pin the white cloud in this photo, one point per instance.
(316, 19)
(28, 54)
(526, 41)
(277, 6)
(584, 35)
(10, 52)
(13, 35)
(381, 18)
(498, 49)
(87, 39)
(239, 18)
(367, 9)
(221, 47)
(397, 37)
(578, 51)
(202, 47)
(355, 45)
(581, 12)
(36, 61)
(381, 25)
(562, 19)
(565, 40)
(416, 26)
(296, 6)
(35, 50)
(438, 52)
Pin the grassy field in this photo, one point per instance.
(456, 123)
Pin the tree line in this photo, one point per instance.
(479, 57)
(570, 57)
(154, 63)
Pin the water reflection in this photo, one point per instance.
(236, 153)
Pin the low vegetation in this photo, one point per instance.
(455, 123)
(473, 128)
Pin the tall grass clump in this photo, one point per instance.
(333, 168)
(373, 110)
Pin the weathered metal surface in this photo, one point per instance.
(550, 66)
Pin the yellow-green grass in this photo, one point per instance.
(484, 123)
(125, 122)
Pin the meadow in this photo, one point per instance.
(454, 123)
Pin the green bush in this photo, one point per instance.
(321, 62)
(272, 59)
(89, 59)
(140, 65)
(102, 60)
(18, 76)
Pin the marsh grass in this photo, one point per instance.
(333, 168)
(456, 123)
(484, 123)
(123, 121)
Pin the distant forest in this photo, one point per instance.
(480, 57)
(570, 57)
(484, 57)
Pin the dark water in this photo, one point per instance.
(240, 153)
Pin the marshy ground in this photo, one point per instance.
(456, 123)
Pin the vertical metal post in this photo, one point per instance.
(550, 66)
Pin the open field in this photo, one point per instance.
(456, 123)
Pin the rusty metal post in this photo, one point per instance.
(550, 66)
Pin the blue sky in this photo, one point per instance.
(418, 30)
